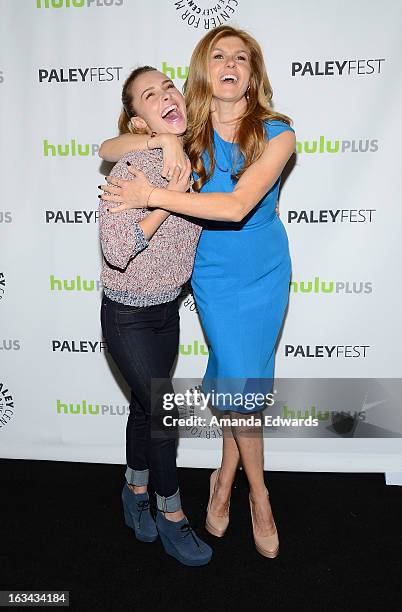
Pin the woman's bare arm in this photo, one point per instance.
(173, 155)
(250, 189)
(113, 149)
(119, 236)
(150, 224)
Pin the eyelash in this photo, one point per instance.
(220, 55)
(151, 92)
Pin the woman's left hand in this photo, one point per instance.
(129, 194)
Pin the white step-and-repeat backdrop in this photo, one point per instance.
(335, 69)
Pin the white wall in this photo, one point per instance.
(358, 109)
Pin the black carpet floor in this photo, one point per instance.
(340, 538)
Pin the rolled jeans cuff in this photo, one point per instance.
(169, 504)
(138, 478)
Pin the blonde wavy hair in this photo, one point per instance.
(250, 133)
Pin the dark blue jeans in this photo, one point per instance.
(143, 342)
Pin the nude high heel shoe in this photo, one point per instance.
(216, 525)
(268, 546)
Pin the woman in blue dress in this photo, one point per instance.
(238, 147)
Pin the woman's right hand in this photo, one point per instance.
(180, 181)
(173, 154)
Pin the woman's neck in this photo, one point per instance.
(225, 117)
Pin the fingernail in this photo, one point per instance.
(128, 163)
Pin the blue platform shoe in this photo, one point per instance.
(138, 516)
(181, 542)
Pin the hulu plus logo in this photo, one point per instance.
(88, 408)
(69, 149)
(82, 408)
(312, 412)
(74, 284)
(57, 4)
(320, 286)
(325, 145)
(309, 412)
(195, 349)
(178, 72)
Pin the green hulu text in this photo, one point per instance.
(74, 284)
(70, 149)
(193, 349)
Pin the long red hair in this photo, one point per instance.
(250, 134)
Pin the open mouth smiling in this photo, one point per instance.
(229, 78)
(172, 113)
(169, 109)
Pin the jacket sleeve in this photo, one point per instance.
(120, 235)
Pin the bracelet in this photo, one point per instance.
(149, 195)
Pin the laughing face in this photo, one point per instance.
(159, 106)
(229, 69)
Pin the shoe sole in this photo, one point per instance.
(268, 554)
(172, 552)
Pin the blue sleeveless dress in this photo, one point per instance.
(241, 286)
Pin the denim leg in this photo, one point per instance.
(169, 504)
(139, 478)
(143, 342)
(163, 441)
(137, 439)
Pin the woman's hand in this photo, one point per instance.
(135, 193)
(180, 180)
(173, 154)
(129, 194)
